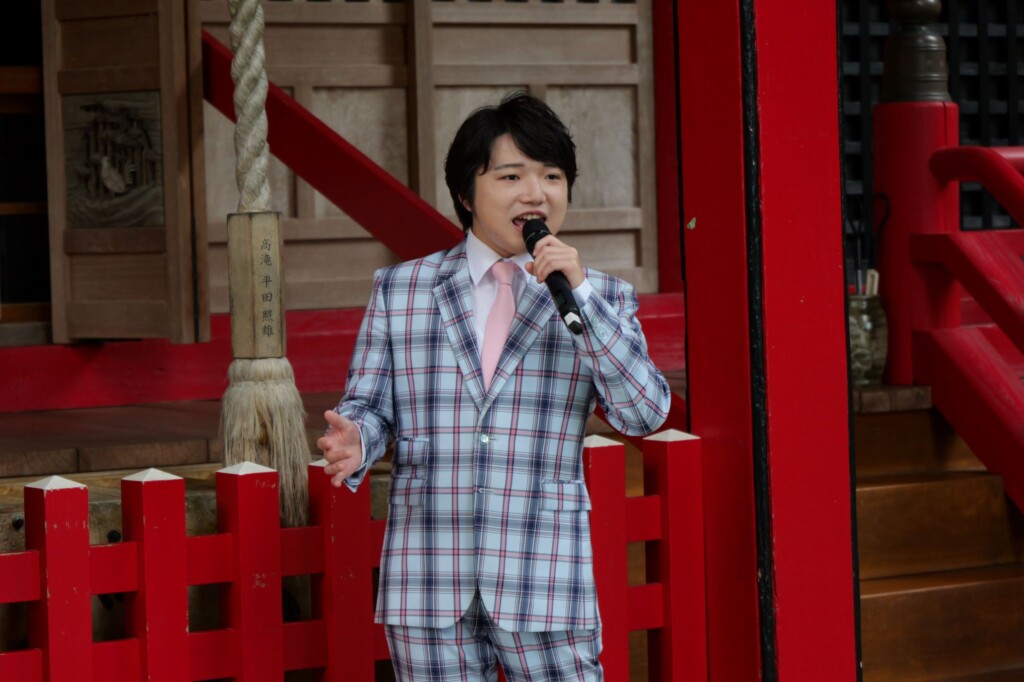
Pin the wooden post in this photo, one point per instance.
(422, 133)
(256, 285)
(673, 472)
(153, 513)
(604, 464)
(60, 621)
(247, 508)
(343, 593)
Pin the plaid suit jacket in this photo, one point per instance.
(487, 486)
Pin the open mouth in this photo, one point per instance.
(519, 221)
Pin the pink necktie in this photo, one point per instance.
(499, 321)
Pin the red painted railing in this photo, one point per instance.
(975, 375)
(156, 563)
(386, 208)
(927, 262)
(998, 169)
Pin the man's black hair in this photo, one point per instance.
(534, 127)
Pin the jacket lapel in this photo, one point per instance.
(454, 296)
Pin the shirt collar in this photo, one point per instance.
(481, 257)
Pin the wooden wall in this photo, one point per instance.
(124, 178)
(396, 79)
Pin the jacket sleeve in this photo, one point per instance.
(367, 400)
(632, 392)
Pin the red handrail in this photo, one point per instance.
(386, 208)
(998, 169)
(1014, 155)
(988, 265)
(972, 385)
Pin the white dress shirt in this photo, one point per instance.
(480, 258)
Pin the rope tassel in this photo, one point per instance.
(262, 421)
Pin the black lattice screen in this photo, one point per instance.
(985, 51)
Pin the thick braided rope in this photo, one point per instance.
(250, 77)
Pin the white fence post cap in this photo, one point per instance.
(599, 442)
(152, 475)
(670, 435)
(243, 468)
(54, 483)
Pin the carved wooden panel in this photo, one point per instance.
(127, 230)
(397, 78)
(113, 156)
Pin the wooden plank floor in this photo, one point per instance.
(134, 436)
(141, 436)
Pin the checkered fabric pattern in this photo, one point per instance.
(487, 486)
(473, 648)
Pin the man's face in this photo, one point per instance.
(514, 189)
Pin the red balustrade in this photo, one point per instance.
(974, 366)
(251, 555)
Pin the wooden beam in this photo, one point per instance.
(420, 107)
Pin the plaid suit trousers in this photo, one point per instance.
(473, 648)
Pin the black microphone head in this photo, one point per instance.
(533, 231)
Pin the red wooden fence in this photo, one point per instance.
(156, 562)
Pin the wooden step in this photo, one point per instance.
(1015, 675)
(941, 625)
(920, 523)
(914, 441)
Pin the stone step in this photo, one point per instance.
(919, 523)
(942, 625)
(913, 441)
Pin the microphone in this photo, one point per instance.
(561, 291)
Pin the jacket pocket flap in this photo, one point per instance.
(407, 491)
(564, 496)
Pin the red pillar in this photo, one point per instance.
(805, 411)
(717, 320)
(758, 84)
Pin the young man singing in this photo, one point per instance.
(464, 364)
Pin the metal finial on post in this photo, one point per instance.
(915, 55)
